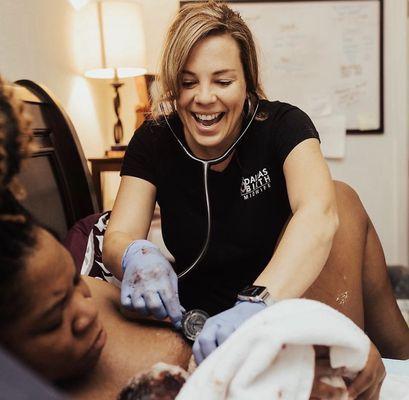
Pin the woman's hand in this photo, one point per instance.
(328, 382)
(219, 327)
(367, 384)
(149, 285)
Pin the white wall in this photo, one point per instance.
(377, 165)
(36, 42)
(157, 17)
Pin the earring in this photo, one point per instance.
(247, 106)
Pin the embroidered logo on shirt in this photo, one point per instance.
(255, 184)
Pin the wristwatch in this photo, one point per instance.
(256, 294)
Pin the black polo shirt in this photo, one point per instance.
(248, 201)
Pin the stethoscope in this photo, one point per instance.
(194, 320)
(206, 164)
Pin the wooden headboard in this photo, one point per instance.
(56, 177)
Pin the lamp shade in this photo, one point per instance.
(112, 39)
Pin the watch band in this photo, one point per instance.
(256, 294)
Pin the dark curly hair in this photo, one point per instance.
(17, 230)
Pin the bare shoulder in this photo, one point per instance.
(107, 296)
(103, 292)
(131, 348)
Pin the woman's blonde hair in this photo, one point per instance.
(193, 23)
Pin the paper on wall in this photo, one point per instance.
(332, 131)
(318, 105)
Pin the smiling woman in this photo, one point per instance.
(248, 204)
(211, 100)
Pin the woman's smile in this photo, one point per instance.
(208, 123)
(212, 95)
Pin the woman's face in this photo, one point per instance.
(212, 95)
(60, 336)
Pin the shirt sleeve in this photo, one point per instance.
(294, 126)
(139, 160)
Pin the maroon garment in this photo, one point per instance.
(85, 238)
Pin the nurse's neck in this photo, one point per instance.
(223, 165)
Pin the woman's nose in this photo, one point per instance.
(86, 314)
(205, 95)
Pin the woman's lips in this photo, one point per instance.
(208, 119)
(208, 127)
(97, 344)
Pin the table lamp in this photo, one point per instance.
(114, 47)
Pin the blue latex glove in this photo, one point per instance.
(149, 284)
(219, 327)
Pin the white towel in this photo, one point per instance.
(271, 355)
(395, 387)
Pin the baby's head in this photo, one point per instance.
(161, 382)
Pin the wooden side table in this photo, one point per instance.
(99, 165)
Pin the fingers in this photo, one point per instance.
(173, 309)
(328, 383)
(205, 343)
(366, 385)
(126, 300)
(149, 302)
(322, 390)
(149, 287)
(129, 296)
(212, 336)
(155, 305)
(323, 368)
(223, 333)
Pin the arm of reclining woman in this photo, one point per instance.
(149, 284)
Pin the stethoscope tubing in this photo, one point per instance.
(206, 164)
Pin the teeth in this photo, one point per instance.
(207, 117)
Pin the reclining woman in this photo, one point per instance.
(48, 318)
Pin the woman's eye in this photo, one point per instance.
(188, 84)
(224, 82)
(53, 326)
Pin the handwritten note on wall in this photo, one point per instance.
(323, 56)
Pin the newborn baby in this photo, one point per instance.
(161, 382)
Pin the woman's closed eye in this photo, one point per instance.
(224, 82)
(52, 326)
(187, 84)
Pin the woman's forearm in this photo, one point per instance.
(301, 253)
(130, 220)
(115, 244)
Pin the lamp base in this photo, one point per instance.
(116, 151)
(119, 147)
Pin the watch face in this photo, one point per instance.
(193, 322)
(252, 291)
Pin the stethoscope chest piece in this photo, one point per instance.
(193, 322)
